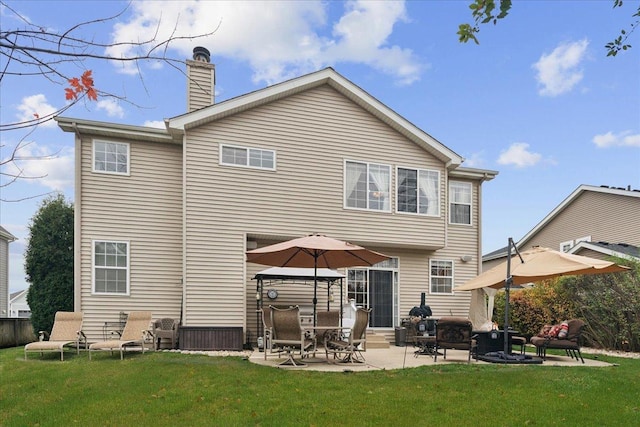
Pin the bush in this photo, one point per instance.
(608, 303)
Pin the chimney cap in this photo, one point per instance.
(201, 54)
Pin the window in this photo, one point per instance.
(111, 157)
(111, 267)
(566, 246)
(441, 276)
(418, 191)
(460, 202)
(367, 186)
(248, 157)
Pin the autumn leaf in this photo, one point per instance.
(92, 94)
(84, 84)
(69, 94)
(87, 80)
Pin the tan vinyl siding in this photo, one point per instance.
(605, 217)
(4, 278)
(144, 209)
(312, 133)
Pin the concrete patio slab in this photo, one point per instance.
(400, 358)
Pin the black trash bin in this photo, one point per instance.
(401, 336)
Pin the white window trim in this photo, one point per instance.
(344, 186)
(470, 203)
(93, 267)
(453, 276)
(93, 157)
(437, 215)
(568, 243)
(246, 166)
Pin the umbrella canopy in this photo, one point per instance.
(534, 265)
(540, 264)
(317, 251)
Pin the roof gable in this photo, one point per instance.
(329, 77)
(622, 192)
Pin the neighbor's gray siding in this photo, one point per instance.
(313, 133)
(145, 209)
(605, 217)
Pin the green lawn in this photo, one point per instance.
(171, 389)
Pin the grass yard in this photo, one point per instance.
(171, 389)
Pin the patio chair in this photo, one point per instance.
(349, 349)
(135, 333)
(288, 336)
(166, 328)
(570, 343)
(66, 331)
(453, 333)
(267, 327)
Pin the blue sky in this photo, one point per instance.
(537, 100)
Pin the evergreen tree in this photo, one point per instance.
(49, 262)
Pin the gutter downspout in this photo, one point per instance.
(77, 210)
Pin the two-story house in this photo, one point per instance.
(598, 222)
(164, 216)
(5, 239)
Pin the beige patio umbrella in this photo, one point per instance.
(534, 265)
(315, 251)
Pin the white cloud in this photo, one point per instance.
(36, 105)
(111, 106)
(279, 39)
(519, 155)
(155, 124)
(39, 165)
(622, 139)
(559, 71)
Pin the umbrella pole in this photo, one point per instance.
(507, 286)
(315, 289)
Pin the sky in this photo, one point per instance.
(537, 100)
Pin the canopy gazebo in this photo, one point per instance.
(285, 276)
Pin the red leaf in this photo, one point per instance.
(92, 94)
(69, 94)
(87, 80)
(74, 82)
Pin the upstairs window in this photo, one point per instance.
(418, 191)
(247, 157)
(367, 186)
(460, 202)
(111, 157)
(111, 267)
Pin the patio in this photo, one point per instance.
(403, 357)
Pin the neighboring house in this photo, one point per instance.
(592, 221)
(5, 239)
(164, 217)
(18, 306)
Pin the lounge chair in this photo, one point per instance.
(453, 333)
(66, 331)
(570, 344)
(135, 333)
(288, 336)
(349, 349)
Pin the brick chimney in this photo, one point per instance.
(201, 80)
